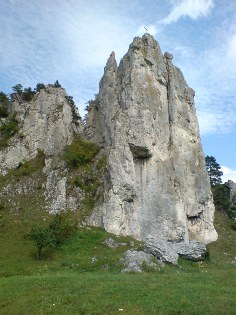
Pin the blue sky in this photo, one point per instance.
(70, 41)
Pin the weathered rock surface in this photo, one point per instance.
(161, 249)
(46, 123)
(144, 117)
(111, 243)
(170, 252)
(136, 261)
(194, 250)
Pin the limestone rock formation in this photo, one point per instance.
(170, 252)
(144, 117)
(46, 123)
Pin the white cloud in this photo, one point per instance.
(191, 8)
(68, 40)
(211, 70)
(228, 174)
(232, 48)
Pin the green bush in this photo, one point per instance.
(80, 152)
(4, 105)
(8, 130)
(41, 237)
(62, 227)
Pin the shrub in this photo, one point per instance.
(4, 104)
(41, 237)
(57, 84)
(75, 115)
(62, 227)
(80, 152)
(28, 94)
(39, 87)
(8, 130)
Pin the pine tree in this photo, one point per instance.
(213, 169)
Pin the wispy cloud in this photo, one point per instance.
(188, 8)
(66, 40)
(211, 71)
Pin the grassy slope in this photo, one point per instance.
(66, 281)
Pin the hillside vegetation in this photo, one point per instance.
(83, 277)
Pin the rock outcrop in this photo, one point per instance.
(144, 117)
(170, 252)
(138, 261)
(46, 123)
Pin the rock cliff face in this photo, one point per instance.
(144, 117)
(46, 123)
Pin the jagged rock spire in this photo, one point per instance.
(144, 116)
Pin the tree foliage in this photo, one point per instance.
(57, 84)
(39, 87)
(4, 105)
(75, 115)
(61, 228)
(41, 237)
(18, 88)
(221, 197)
(213, 169)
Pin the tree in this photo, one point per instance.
(57, 84)
(28, 94)
(62, 227)
(18, 89)
(41, 237)
(39, 87)
(221, 197)
(4, 103)
(213, 169)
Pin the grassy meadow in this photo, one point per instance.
(83, 277)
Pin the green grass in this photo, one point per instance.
(67, 281)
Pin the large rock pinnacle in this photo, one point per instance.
(144, 116)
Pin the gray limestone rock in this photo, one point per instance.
(161, 249)
(47, 123)
(193, 250)
(111, 243)
(145, 119)
(136, 261)
(170, 252)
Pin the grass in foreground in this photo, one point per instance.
(82, 277)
